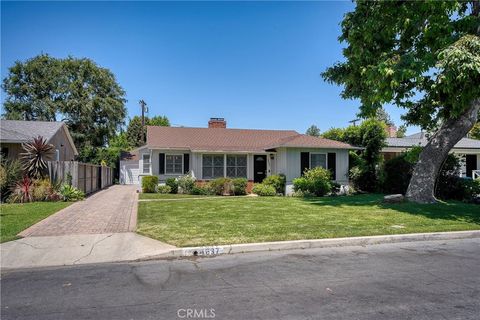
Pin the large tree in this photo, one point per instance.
(78, 91)
(313, 131)
(423, 56)
(135, 132)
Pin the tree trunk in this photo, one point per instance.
(422, 185)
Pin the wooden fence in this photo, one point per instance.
(84, 176)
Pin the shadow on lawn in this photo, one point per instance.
(452, 210)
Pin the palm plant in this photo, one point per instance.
(37, 153)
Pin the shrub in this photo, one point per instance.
(471, 189)
(264, 190)
(185, 183)
(278, 181)
(397, 173)
(22, 191)
(318, 181)
(240, 186)
(70, 193)
(301, 185)
(202, 190)
(44, 190)
(149, 184)
(173, 184)
(222, 186)
(10, 173)
(164, 189)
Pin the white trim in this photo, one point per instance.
(310, 159)
(149, 164)
(165, 164)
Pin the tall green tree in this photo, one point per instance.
(423, 56)
(383, 115)
(475, 131)
(135, 133)
(313, 130)
(78, 91)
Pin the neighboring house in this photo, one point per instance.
(15, 132)
(468, 150)
(216, 151)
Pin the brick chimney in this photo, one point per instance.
(217, 123)
(391, 131)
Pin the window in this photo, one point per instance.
(4, 152)
(318, 160)
(173, 164)
(146, 163)
(212, 166)
(237, 166)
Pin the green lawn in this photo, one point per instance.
(169, 196)
(193, 222)
(17, 217)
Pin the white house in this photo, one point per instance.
(468, 150)
(216, 151)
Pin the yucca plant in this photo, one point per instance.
(34, 159)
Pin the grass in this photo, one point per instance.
(195, 222)
(168, 196)
(17, 217)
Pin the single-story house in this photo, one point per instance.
(217, 151)
(467, 149)
(15, 132)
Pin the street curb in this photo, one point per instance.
(309, 244)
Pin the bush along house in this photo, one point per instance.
(216, 151)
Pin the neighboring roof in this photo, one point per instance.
(420, 139)
(221, 139)
(18, 131)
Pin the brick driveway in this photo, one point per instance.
(108, 211)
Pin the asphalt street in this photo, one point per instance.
(421, 280)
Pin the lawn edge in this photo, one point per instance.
(316, 243)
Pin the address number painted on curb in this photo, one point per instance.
(203, 251)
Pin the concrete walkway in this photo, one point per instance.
(34, 252)
(111, 210)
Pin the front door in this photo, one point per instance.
(259, 167)
(471, 163)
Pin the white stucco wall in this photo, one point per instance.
(286, 161)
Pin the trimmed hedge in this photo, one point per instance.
(240, 186)
(149, 184)
(278, 181)
(173, 184)
(264, 190)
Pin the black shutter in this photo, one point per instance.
(186, 163)
(161, 163)
(332, 164)
(304, 161)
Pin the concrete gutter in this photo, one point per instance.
(307, 244)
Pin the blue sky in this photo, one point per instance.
(257, 64)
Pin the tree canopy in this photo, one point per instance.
(416, 54)
(313, 130)
(78, 91)
(135, 132)
(423, 56)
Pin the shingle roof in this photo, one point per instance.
(21, 131)
(221, 139)
(420, 139)
(306, 141)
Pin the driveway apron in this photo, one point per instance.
(112, 210)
